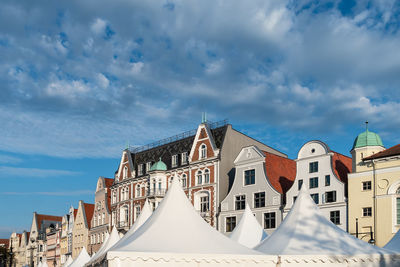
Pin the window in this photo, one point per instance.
(137, 211)
(299, 184)
(313, 166)
(140, 169)
(103, 218)
(114, 198)
(184, 181)
(148, 166)
(125, 172)
(113, 218)
(249, 177)
(206, 176)
(315, 197)
(335, 216)
(314, 182)
(138, 190)
(327, 180)
(203, 151)
(240, 202)
(204, 204)
(398, 210)
(330, 196)
(294, 199)
(94, 220)
(126, 219)
(199, 177)
(259, 200)
(174, 160)
(99, 220)
(123, 194)
(367, 212)
(269, 220)
(230, 223)
(184, 158)
(102, 237)
(366, 185)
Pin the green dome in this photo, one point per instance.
(367, 138)
(158, 166)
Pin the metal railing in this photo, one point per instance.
(122, 224)
(156, 192)
(175, 137)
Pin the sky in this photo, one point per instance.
(80, 80)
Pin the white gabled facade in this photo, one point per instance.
(324, 174)
(251, 186)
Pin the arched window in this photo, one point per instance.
(123, 194)
(125, 172)
(199, 177)
(184, 181)
(114, 197)
(94, 220)
(206, 176)
(138, 190)
(203, 151)
(103, 218)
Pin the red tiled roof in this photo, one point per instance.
(281, 171)
(42, 217)
(109, 182)
(75, 212)
(5, 242)
(392, 151)
(341, 165)
(89, 210)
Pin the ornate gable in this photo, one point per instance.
(203, 144)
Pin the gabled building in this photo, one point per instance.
(21, 254)
(80, 230)
(36, 247)
(102, 214)
(202, 159)
(261, 181)
(53, 238)
(14, 243)
(374, 189)
(324, 173)
(67, 225)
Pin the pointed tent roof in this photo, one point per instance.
(144, 215)
(108, 243)
(248, 232)
(306, 231)
(68, 262)
(44, 264)
(40, 264)
(81, 260)
(394, 243)
(175, 227)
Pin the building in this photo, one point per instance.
(14, 243)
(261, 181)
(80, 230)
(21, 252)
(36, 248)
(53, 241)
(374, 189)
(202, 159)
(102, 214)
(67, 225)
(324, 173)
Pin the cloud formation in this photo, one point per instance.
(10, 172)
(79, 79)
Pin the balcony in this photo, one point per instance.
(156, 192)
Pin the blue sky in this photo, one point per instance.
(80, 79)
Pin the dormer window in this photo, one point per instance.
(148, 166)
(184, 158)
(140, 169)
(203, 151)
(174, 162)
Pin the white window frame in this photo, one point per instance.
(148, 166)
(174, 160)
(184, 180)
(137, 208)
(140, 169)
(184, 158)
(125, 173)
(206, 176)
(138, 190)
(199, 177)
(203, 151)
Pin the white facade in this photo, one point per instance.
(249, 160)
(314, 170)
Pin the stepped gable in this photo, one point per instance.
(390, 152)
(281, 172)
(341, 165)
(165, 152)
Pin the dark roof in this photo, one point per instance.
(166, 151)
(89, 210)
(392, 151)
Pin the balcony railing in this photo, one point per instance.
(122, 224)
(156, 192)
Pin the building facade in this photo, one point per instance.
(53, 241)
(102, 214)
(324, 173)
(202, 159)
(15, 240)
(261, 180)
(374, 190)
(80, 230)
(66, 234)
(36, 248)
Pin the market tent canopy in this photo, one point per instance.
(68, 262)
(108, 243)
(248, 232)
(44, 264)
(305, 231)
(175, 227)
(81, 260)
(394, 243)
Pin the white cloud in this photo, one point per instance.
(10, 172)
(52, 193)
(99, 26)
(102, 80)
(136, 67)
(67, 89)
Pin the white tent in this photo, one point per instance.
(394, 243)
(305, 234)
(101, 253)
(68, 262)
(44, 264)
(81, 260)
(248, 232)
(40, 264)
(175, 235)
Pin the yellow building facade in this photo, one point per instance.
(374, 190)
(80, 230)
